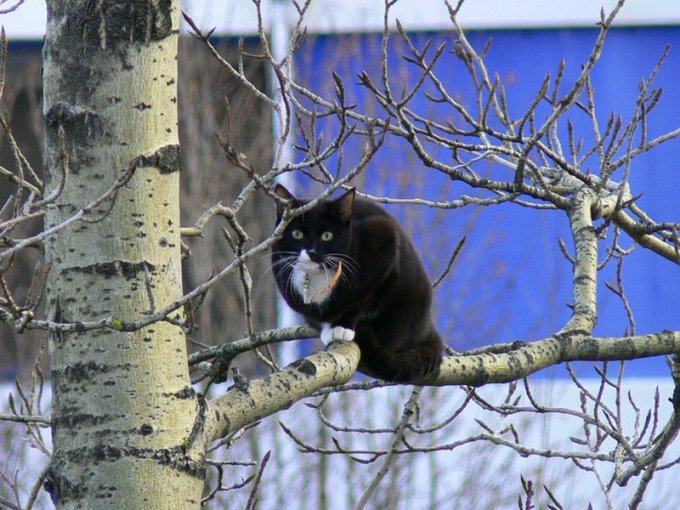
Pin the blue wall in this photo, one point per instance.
(511, 281)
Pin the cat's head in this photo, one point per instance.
(323, 231)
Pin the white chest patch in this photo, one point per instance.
(310, 280)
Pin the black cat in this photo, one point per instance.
(348, 267)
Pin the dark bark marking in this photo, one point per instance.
(60, 488)
(185, 393)
(139, 21)
(78, 124)
(87, 123)
(76, 420)
(305, 366)
(123, 268)
(141, 106)
(167, 159)
(79, 372)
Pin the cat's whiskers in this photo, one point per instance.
(270, 268)
(285, 256)
(347, 261)
(285, 264)
(299, 276)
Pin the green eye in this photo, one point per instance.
(327, 236)
(297, 234)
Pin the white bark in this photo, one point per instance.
(123, 405)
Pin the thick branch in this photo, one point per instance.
(249, 401)
(530, 358)
(633, 229)
(584, 317)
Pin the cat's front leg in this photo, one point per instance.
(331, 334)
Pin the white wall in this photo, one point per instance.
(238, 16)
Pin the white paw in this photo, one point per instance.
(336, 333)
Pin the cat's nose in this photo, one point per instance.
(309, 256)
(313, 256)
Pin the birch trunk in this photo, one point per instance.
(123, 406)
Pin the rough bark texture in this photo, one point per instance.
(584, 317)
(250, 401)
(523, 359)
(123, 405)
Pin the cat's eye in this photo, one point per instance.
(327, 236)
(297, 234)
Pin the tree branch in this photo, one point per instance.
(482, 369)
(637, 232)
(584, 317)
(249, 401)
(231, 349)
(41, 421)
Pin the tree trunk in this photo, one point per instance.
(123, 407)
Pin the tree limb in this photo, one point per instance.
(249, 401)
(584, 317)
(530, 358)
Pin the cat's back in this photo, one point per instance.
(363, 209)
(383, 241)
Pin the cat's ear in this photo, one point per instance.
(344, 205)
(282, 192)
